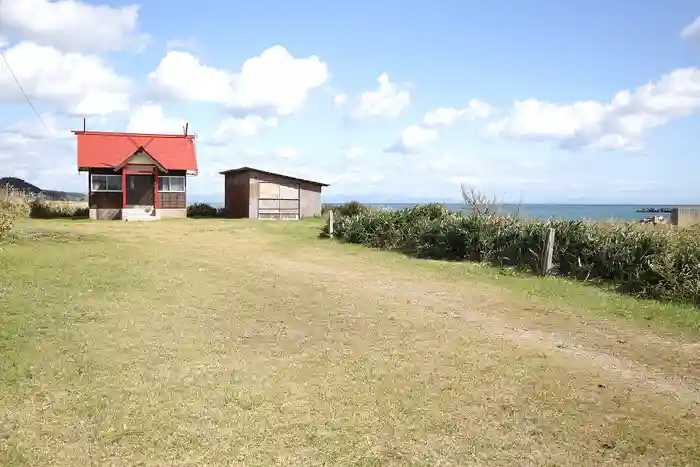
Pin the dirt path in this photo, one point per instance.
(215, 343)
(666, 364)
(580, 345)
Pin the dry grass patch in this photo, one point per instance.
(200, 343)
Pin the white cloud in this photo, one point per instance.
(182, 75)
(78, 84)
(72, 25)
(45, 157)
(340, 99)
(13, 140)
(447, 115)
(388, 101)
(548, 120)
(441, 116)
(232, 127)
(277, 80)
(692, 29)
(274, 80)
(413, 139)
(354, 152)
(34, 129)
(287, 153)
(620, 124)
(150, 118)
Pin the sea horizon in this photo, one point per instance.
(599, 212)
(564, 211)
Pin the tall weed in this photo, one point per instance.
(660, 264)
(45, 209)
(12, 208)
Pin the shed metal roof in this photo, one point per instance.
(252, 169)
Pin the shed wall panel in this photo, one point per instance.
(289, 205)
(268, 204)
(268, 190)
(236, 196)
(310, 200)
(295, 198)
(289, 191)
(253, 198)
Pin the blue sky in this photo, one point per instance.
(539, 101)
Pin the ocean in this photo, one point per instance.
(621, 212)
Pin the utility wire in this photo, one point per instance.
(29, 101)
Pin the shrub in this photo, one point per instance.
(351, 208)
(12, 208)
(645, 262)
(44, 209)
(325, 207)
(201, 210)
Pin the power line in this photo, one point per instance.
(29, 101)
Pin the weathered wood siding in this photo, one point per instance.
(253, 195)
(168, 200)
(173, 200)
(278, 196)
(310, 200)
(259, 195)
(236, 195)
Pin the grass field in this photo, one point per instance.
(216, 342)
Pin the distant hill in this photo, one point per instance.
(26, 187)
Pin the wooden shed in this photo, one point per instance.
(258, 194)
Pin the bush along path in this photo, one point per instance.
(644, 262)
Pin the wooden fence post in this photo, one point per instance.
(330, 223)
(548, 253)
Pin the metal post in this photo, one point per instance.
(330, 224)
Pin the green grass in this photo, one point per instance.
(586, 297)
(219, 342)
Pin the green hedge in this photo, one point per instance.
(202, 210)
(649, 263)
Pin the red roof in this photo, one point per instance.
(106, 149)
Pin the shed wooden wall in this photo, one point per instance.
(236, 194)
(310, 199)
(242, 194)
